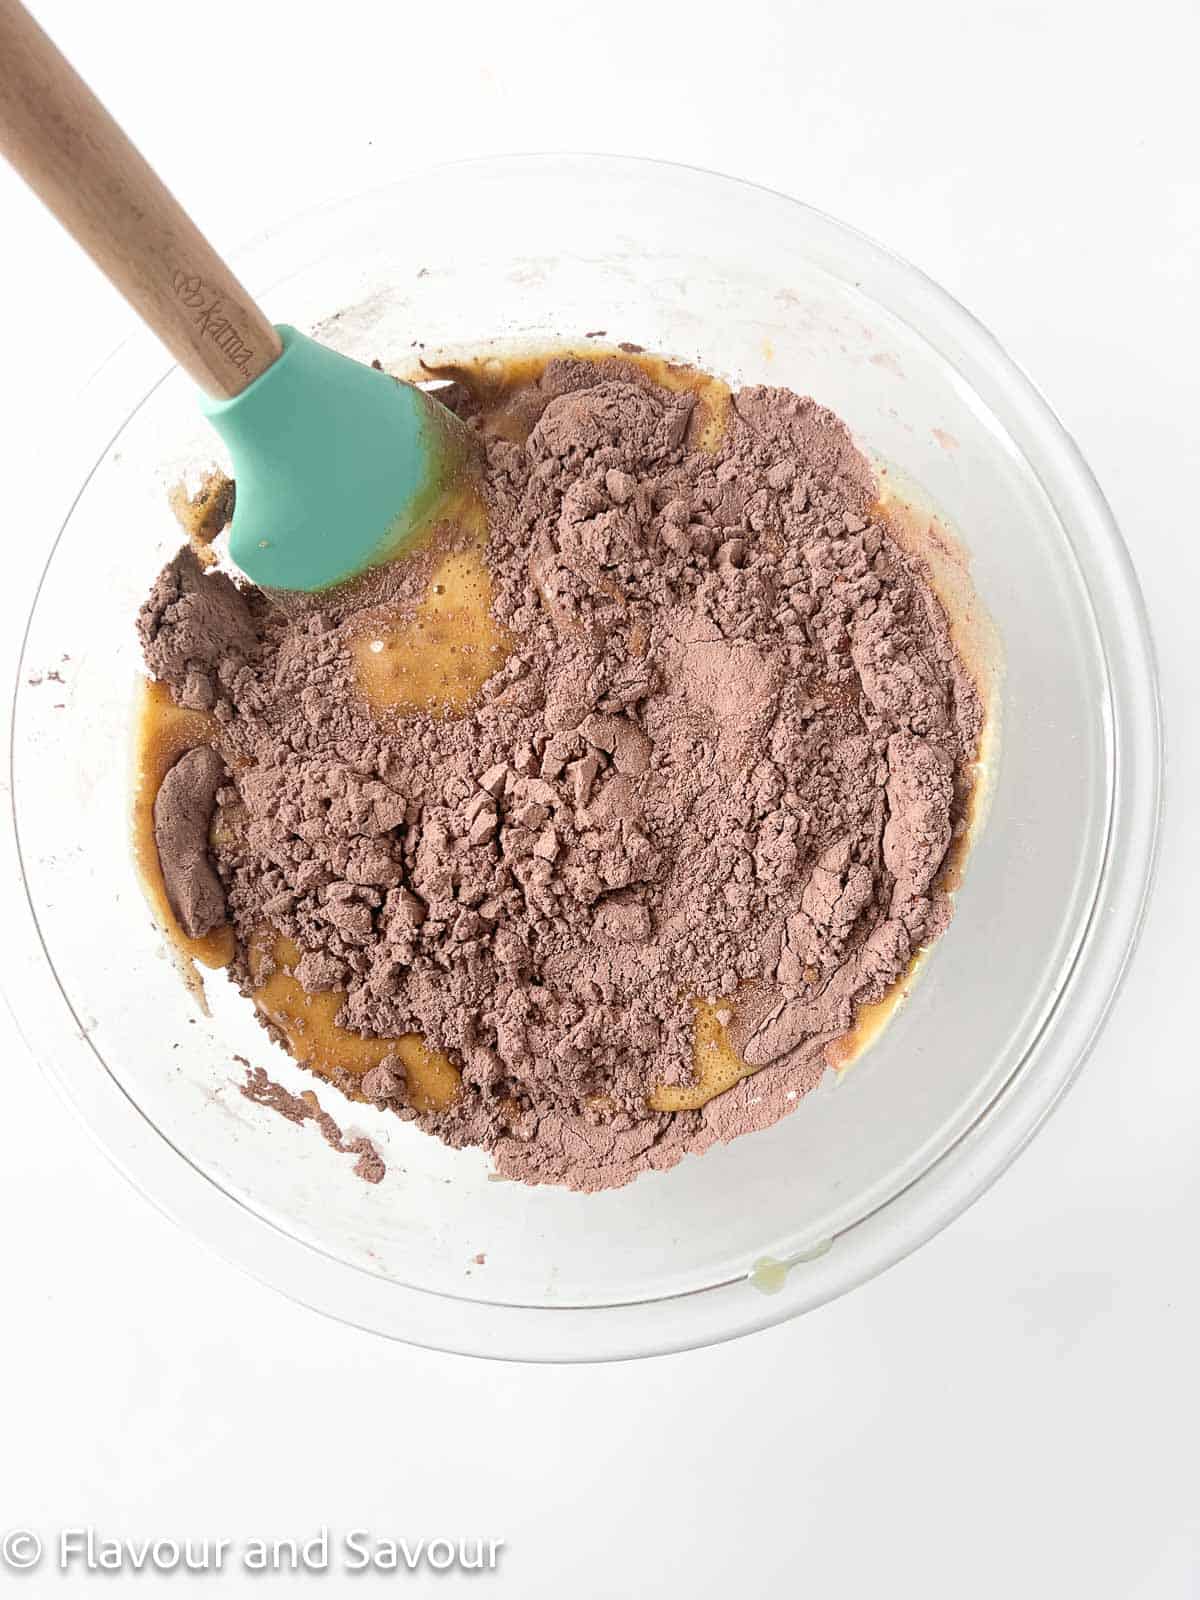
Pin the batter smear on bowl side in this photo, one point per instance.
(592, 830)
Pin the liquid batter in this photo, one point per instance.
(307, 1024)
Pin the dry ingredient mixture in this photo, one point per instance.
(584, 831)
(306, 1107)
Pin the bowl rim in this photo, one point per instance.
(944, 1188)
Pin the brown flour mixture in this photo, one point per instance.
(674, 812)
(298, 1108)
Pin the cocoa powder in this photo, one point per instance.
(725, 759)
(264, 1091)
(183, 809)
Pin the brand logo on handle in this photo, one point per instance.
(211, 319)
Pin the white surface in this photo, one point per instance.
(1015, 1409)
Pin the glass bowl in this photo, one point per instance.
(758, 288)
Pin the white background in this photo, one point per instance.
(1015, 1409)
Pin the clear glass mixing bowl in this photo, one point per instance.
(758, 288)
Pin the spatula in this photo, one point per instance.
(337, 465)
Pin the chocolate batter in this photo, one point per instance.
(717, 750)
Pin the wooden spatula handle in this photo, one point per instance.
(72, 154)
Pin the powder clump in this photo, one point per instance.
(183, 812)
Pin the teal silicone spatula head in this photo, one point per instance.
(337, 465)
